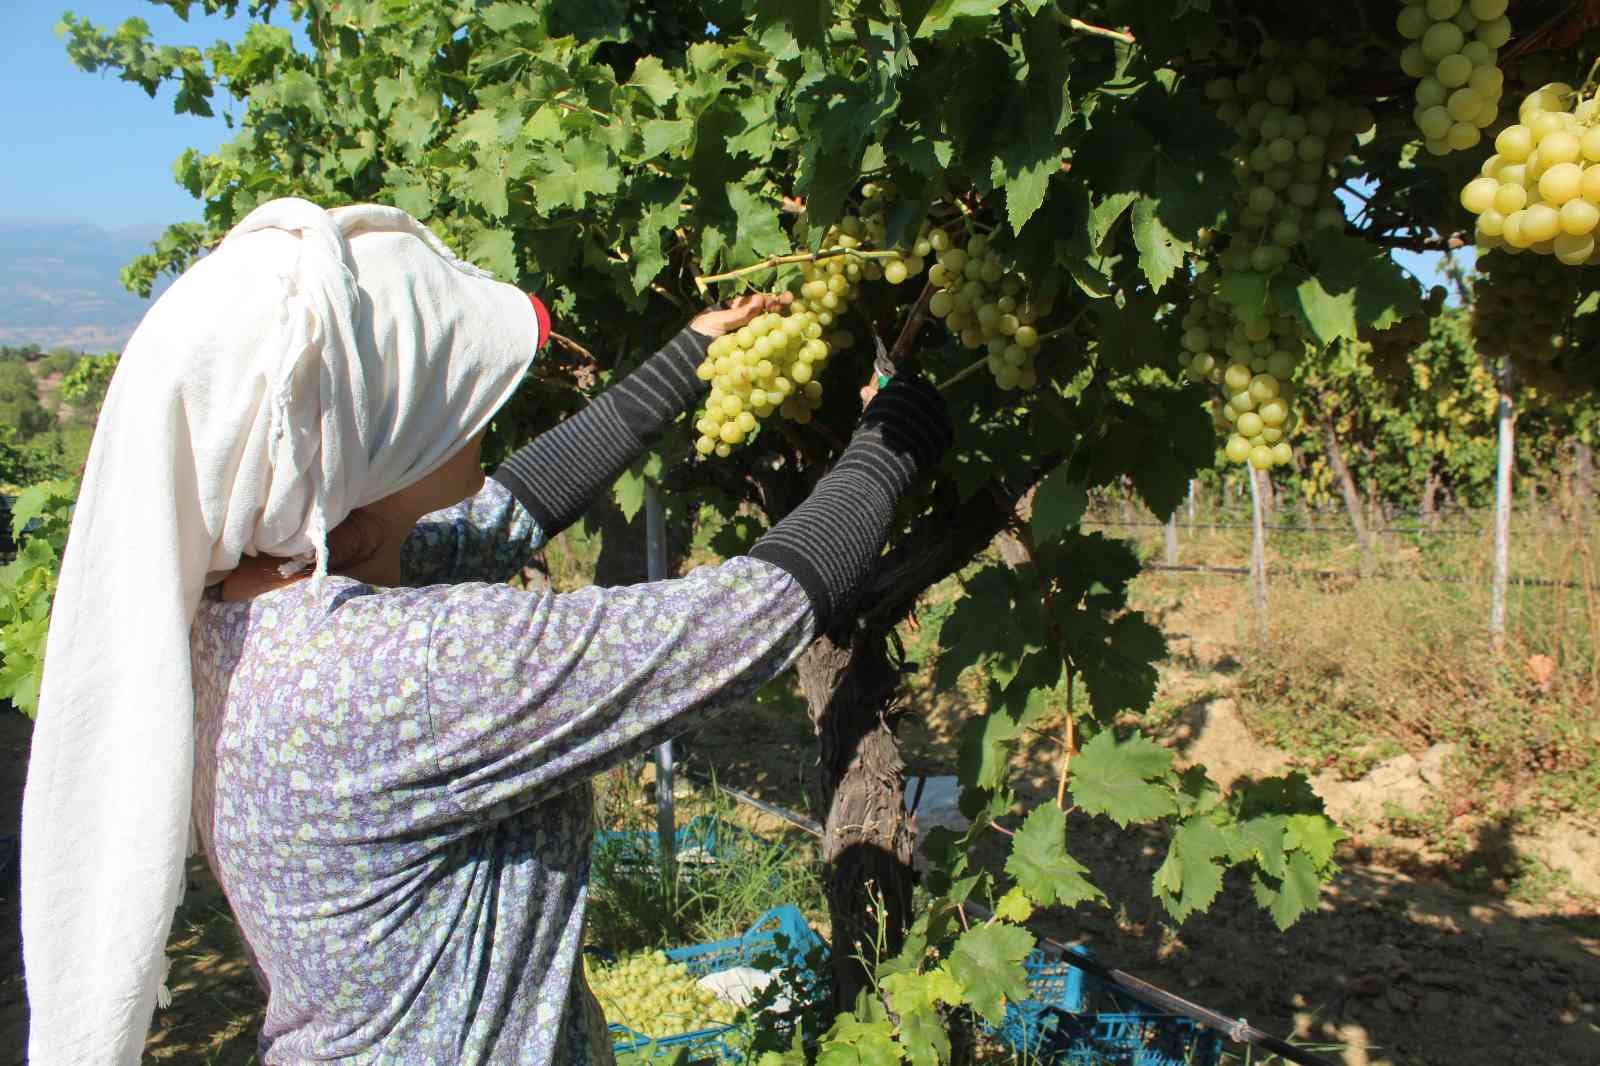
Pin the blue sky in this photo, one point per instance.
(89, 147)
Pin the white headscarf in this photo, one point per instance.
(316, 361)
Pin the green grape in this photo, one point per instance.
(651, 994)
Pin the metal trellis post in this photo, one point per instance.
(655, 543)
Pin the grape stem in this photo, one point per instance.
(1080, 26)
(913, 326)
(703, 280)
(965, 372)
(1077, 25)
(1068, 743)
(573, 346)
(1589, 81)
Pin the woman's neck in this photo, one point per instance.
(258, 574)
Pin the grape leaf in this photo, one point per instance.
(986, 626)
(35, 500)
(984, 755)
(1039, 109)
(573, 172)
(1058, 505)
(1191, 876)
(941, 15)
(1246, 291)
(1315, 835)
(1125, 780)
(644, 244)
(412, 122)
(484, 183)
(1014, 906)
(1295, 894)
(629, 493)
(494, 251)
(987, 960)
(924, 1037)
(20, 677)
(1161, 251)
(1119, 664)
(1261, 839)
(651, 77)
(759, 233)
(501, 16)
(664, 136)
(921, 991)
(856, 1042)
(806, 21)
(413, 196)
(1105, 213)
(1040, 863)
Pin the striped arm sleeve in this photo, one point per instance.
(560, 472)
(831, 542)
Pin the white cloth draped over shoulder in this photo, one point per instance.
(314, 362)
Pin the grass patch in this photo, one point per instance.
(635, 906)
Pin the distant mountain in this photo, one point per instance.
(59, 284)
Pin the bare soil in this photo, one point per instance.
(1398, 966)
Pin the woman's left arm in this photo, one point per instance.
(560, 472)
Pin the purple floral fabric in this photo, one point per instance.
(392, 784)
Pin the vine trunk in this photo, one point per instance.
(868, 837)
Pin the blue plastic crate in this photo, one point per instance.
(705, 834)
(715, 1043)
(1054, 985)
(1059, 1024)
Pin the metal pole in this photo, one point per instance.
(1502, 513)
(1258, 554)
(655, 544)
(1171, 537)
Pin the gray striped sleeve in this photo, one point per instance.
(559, 473)
(831, 542)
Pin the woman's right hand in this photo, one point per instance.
(723, 320)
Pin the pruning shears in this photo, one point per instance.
(882, 365)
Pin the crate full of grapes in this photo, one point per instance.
(684, 1001)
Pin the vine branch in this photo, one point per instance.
(1079, 26)
(771, 261)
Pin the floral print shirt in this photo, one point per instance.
(392, 783)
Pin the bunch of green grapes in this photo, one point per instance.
(986, 306)
(770, 364)
(1453, 50)
(1520, 309)
(1390, 349)
(1291, 131)
(652, 995)
(869, 227)
(1255, 408)
(1540, 191)
(774, 362)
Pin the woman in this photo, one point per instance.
(384, 761)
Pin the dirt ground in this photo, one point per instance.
(1396, 967)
